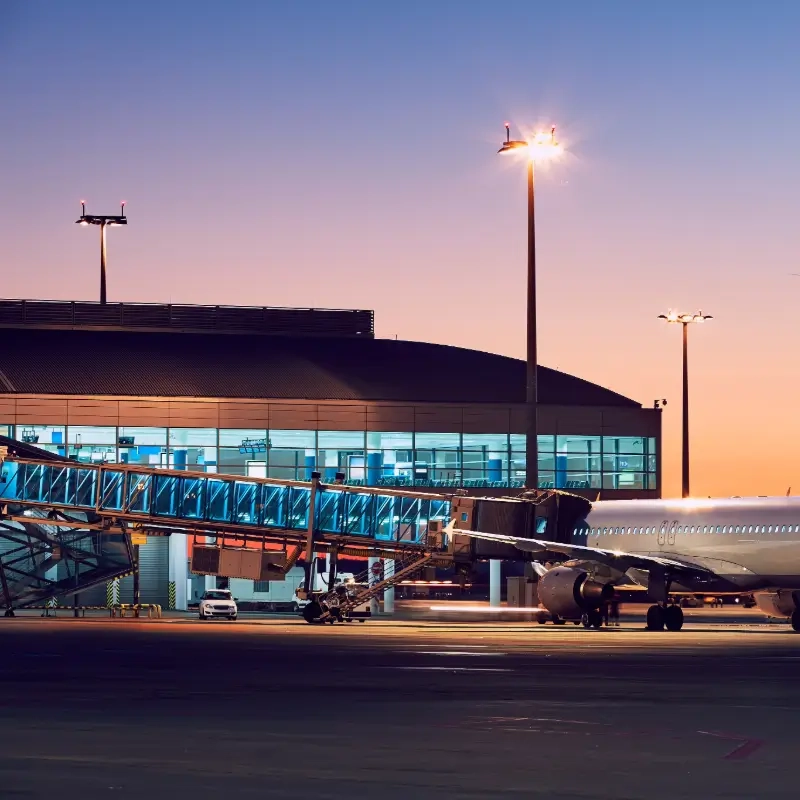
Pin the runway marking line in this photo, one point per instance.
(743, 750)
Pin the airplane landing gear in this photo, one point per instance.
(660, 617)
(796, 620)
(673, 618)
(655, 618)
(592, 619)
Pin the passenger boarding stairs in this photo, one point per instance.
(333, 607)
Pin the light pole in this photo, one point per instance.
(540, 147)
(102, 221)
(685, 320)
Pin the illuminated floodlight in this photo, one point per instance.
(540, 146)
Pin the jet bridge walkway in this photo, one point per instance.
(66, 525)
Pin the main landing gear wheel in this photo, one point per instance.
(655, 618)
(9, 613)
(312, 612)
(592, 619)
(673, 618)
(558, 620)
(796, 620)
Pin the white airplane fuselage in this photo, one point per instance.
(750, 544)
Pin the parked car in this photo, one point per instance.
(218, 603)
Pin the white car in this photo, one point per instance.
(218, 603)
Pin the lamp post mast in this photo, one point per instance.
(531, 395)
(685, 320)
(685, 442)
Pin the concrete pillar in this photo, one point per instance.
(179, 569)
(388, 594)
(495, 582)
(209, 581)
(373, 579)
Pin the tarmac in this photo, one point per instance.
(418, 709)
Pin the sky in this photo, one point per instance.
(343, 154)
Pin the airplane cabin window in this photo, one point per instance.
(783, 529)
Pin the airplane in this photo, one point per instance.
(690, 546)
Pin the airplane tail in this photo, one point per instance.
(789, 491)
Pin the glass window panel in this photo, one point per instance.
(547, 480)
(625, 480)
(397, 440)
(231, 461)
(291, 465)
(578, 444)
(623, 444)
(431, 467)
(92, 434)
(622, 463)
(489, 441)
(297, 440)
(437, 441)
(485, 467)
(194, 459)
(546, 442)
(142, 435)
(341, 440)
(197, 436)
(652, 463)
(93, 454)
(41, 434)
(233, 437)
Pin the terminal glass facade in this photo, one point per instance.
(366, 458)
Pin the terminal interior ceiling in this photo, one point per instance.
(440, 460)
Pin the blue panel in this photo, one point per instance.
(219, 505)
(385, 517)
(494, 469)
(275, 506)
(166, 496)
(329, 508)
(84, 488)
(299, 498)
(112, 482)
(358, 514)
(410, 508)
(179, 459)
(192, 498)
(561, 472)
(139, 493)
(374, 468)
(311, 464)
(245, 494)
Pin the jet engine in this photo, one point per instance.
(569, 592)
(775, 604)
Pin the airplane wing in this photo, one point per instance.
(616, 559)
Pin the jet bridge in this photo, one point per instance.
(67, 525)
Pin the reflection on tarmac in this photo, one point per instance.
(392, 709)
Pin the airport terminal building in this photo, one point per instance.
(284, 392)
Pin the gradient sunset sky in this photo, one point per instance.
(342, 154)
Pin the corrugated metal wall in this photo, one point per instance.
(153, 573)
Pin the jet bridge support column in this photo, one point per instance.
(373, 579)
(388, 594)
(495, 582)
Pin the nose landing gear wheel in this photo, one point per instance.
(312, 612)
(655, 618)
(673, 618)
(796, 620)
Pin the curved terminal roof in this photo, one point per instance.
(96, 362)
